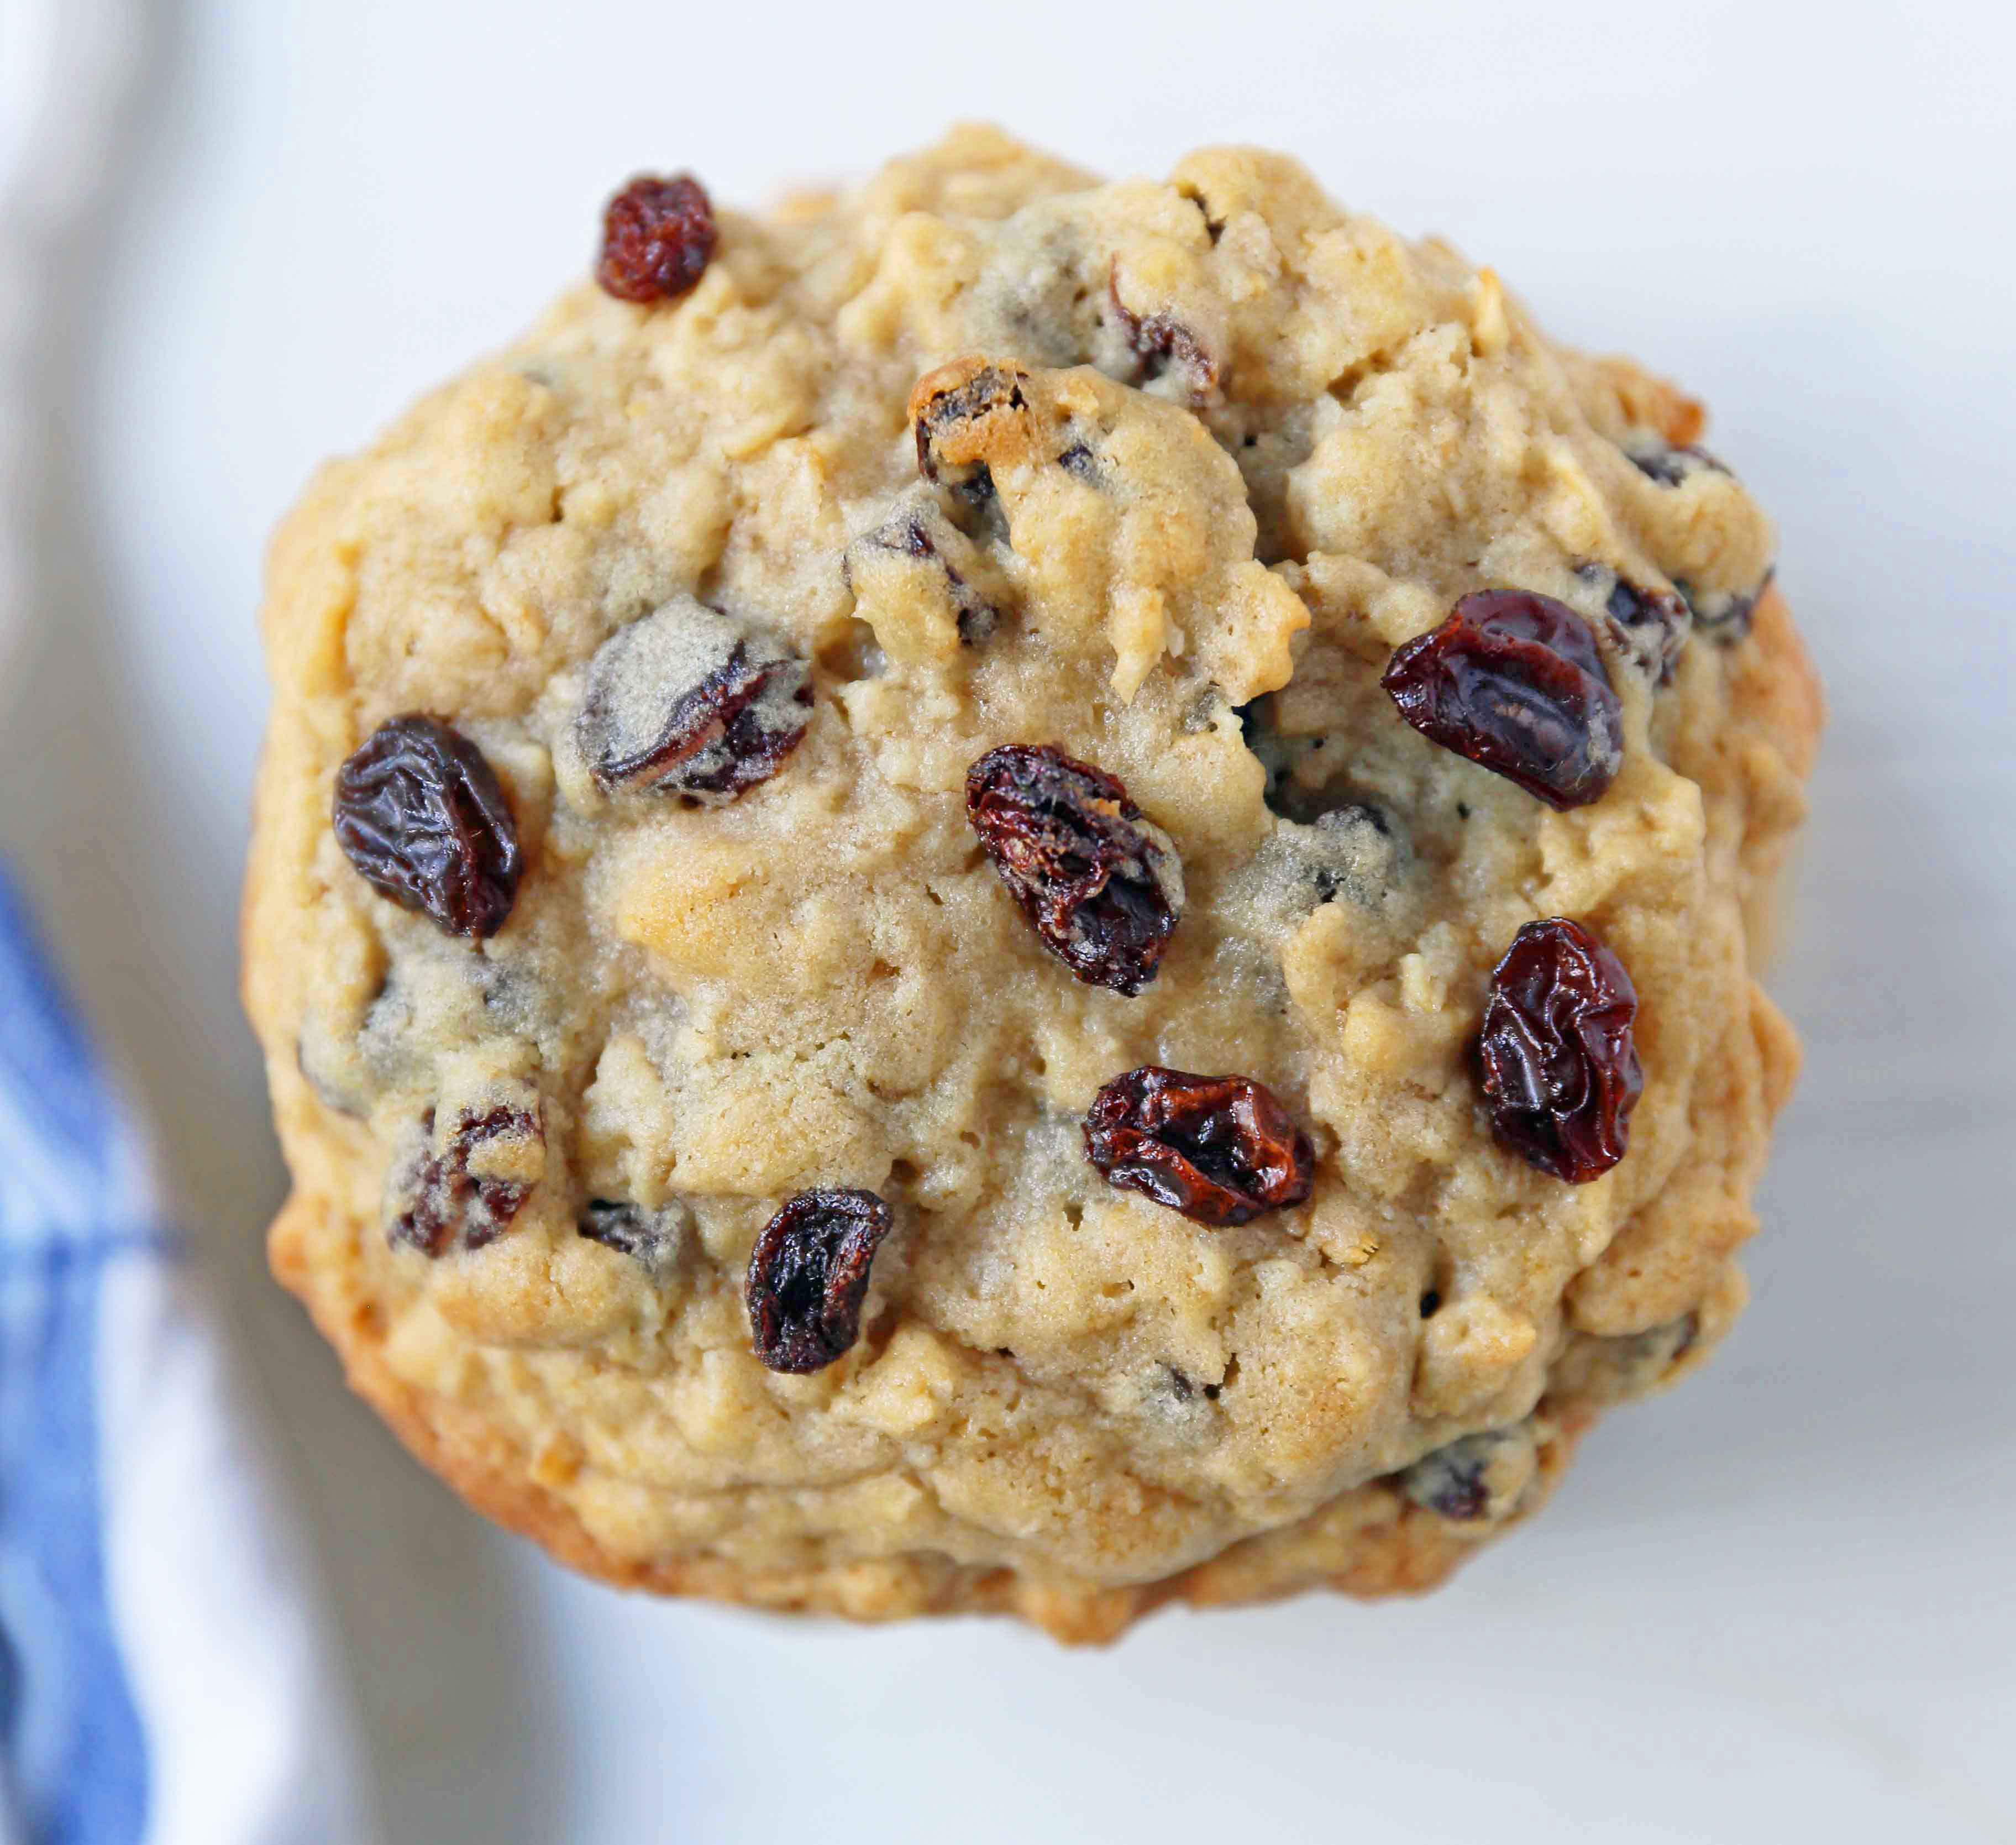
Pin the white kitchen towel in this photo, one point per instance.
(163, 1677)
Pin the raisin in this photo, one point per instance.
(419, 813)
(451, 1204)
(1670, 467)
(1476, 1479)
(962, 412)
(688, 701)
(1219, 1149)
(658, 239)
(1561, 1068)
(808, 1275)
(1512, 681)
(909, 535)
(1078, 461)
(1101, 884)
(1651, 625)
(1722, 614)
(648, 1237)
(1161, 340)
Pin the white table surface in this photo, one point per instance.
(1779, 1604)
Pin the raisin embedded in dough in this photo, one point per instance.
(688, 701)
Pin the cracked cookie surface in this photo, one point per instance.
(1136, 489)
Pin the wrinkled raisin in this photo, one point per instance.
(909, 535)
(1561, 1067)
(1219, 1149)
(649, 1237)
(1650, 625)
(419, 813)
(1722, 614)
(1670, 467)
(1161, 340)
(1477, 1479)
(453, 1204)
(1101, 884)
(808, 1275)
(658, 239)
(688, 702)
(1512, 681)
(962, 413)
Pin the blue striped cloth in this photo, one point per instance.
(72, 1201)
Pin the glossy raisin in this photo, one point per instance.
(1513, 682)
(419, 813)
(1561, 1067)
(689, 701)
(963, 413)
(452, 1205)
(1219, 1149)
(1100, 884)
(657, 238)
(1160, 341)
(808, 1275)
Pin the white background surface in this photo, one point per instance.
(1780, 1603)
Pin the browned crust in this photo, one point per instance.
(1652, 403)
(1776, 688)
(1381, 1546)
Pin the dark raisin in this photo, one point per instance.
(649, 1237)
(962, 413)
(1077, 460)
(688, 702)
(1512, 681)
(453, 1205)
(658, 239)
(1219, 1149)
(1561, 1068)
(1722, 614)
(1477, 1479)
(1670, 467)
(1651, 625)
(808, 1275)
(1100, 884)
(419, 813)
(1161, 340)
(909, 535)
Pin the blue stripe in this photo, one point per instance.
(46, 1065)
(76, 1766)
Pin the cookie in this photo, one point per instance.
(1011, 894)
